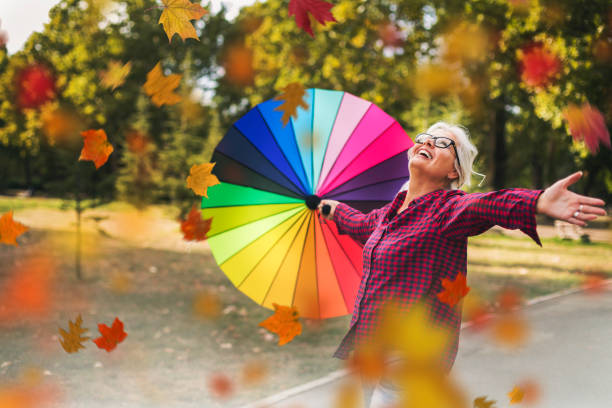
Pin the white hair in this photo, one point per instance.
(466, 152)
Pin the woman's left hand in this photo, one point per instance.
(560, 203)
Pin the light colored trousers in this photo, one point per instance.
(383, 394)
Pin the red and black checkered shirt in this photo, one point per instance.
(406, 255)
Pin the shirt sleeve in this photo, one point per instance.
(464, 215)
(357, 224)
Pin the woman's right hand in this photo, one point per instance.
(332, 204)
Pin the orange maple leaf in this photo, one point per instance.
(176, 18)
(587, 123)
(111, 336)
(238, 64)
(368, 361)
(453, 290)
(510, 330)
(516, 395)
(10, 229)
(253, 372)
(283, 322)
(318, 8)
(201, 177)
(161, 88)
(293, 97)
(95, 147)
(115, 74)
(194, 227)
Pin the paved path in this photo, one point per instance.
(569, 354)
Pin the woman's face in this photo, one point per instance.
(440, 163)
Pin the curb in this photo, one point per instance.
(334, 375)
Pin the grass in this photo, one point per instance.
(170, 353)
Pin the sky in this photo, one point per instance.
(19, 18)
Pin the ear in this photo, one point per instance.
(453, 174)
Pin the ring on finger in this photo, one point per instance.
(580, 208)
(576, 214)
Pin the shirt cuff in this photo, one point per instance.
(530, 227)
(342, 214)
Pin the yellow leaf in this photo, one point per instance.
(201, 177)
(176, 18)
(115, 74)
(72, 339)
(161, 88)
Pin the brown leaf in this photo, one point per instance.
(293, 97)
(73, 339)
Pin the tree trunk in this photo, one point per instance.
(499, 146)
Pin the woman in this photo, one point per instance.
(419, 238)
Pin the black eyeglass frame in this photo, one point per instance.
(435, 138)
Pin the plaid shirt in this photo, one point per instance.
(406, 255)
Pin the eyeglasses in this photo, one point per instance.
(439, 141)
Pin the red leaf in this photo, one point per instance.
(454, 290)
(194, 227)
(588, 124)
(111, 336)
(220, 385)
(35, 86)
(318, 8)
(538, 65)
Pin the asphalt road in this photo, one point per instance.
(569, 355)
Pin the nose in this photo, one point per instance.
(430, 142)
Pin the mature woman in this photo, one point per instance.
(419, 238)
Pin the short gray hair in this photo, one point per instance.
(466, 151)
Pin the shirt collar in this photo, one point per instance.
(401, 196)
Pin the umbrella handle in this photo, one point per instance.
(326, 209)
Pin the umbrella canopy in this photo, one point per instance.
(265, 233)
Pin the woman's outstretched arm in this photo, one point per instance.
(464, 215)
(353, 222)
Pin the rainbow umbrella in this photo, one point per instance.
(265, 234)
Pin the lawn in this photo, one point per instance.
(170, 352)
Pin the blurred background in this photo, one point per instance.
(530, 79)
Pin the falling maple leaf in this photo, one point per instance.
(207, 304)
(367, 361)
(319, 9)
(59, 124)
(115, 74)
(539, 66)
(220, 385)
(390, 35)
(588, 124)
(509, 298)
(201, 177)
(137, 142)
(594, 284)
(283, 322)
(465, 42)
(95, 147)
(429, 387)
(238, 64)
(481, 402)
(436, 80)
(35, 86)
(348, 395)
(194, 227)
(161, 88)
(516, 395)
(28, 292)
(73, 339)
(510, 330)
(292, 97)
(176, 18)
(111, 336)
(253, 372)
(10, 229)
(453, 291)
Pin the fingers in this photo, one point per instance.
(571, 179)
(590, 200)
(588, 209)
(573, 220)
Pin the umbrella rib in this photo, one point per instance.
(330, 194)
(340, 172)
(258, 219)
(298, 215)
(343, 250)
(301, 186)
(265, 158)
(283, 261)
(327, 144)
(345, 142)
(332, 262)
(295, 194)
